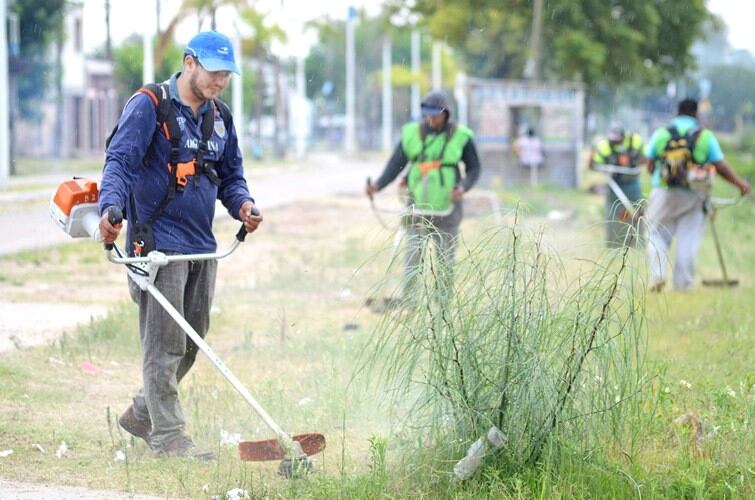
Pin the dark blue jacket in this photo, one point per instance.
(137, 161)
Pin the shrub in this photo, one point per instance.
(549, 353)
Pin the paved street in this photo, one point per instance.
(320, 175)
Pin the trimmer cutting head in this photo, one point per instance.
(721, 283)
(270, 449)
(295, 467)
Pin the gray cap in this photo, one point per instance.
(616, 131)
(435, 103)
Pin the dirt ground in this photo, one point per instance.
(48, 293)
(25, 491)
(38, 311)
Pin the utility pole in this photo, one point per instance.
(13, 56)
(461, 98)
(108, 38)
(350, 142)
(437, 65)
(148, 68)
(157, 17)
(387, 94)
(237, 91)
(532, 68)
(299, 113)
(414, 113)
(4, 101)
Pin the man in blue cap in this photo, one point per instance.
(173, 153)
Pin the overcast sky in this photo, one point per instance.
(738, 15)
(128, 16)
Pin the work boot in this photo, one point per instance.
(133, 425)
(183, 446)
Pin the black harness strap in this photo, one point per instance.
(167, 117)
(691, 137)
(208, 125)
(447, 133)
(166, 120)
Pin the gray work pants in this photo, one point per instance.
(167, 352)
(675, 212)
(444, 232)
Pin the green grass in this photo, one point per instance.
(278, 322)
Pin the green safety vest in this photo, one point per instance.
(433, 164)
(631, 148)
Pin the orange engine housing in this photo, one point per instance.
(74, 208)
(75, 192)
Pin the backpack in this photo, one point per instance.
(679, 168)
(143, 240)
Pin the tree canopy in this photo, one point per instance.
(40, 24)
(732, 94)
(128, 65)
(593, 41)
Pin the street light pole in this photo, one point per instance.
(4, 102)
(350, 141)
(387, 94)
(108, 37)
(415, 73)
(237, 89)
(437, 65)
(148, 68)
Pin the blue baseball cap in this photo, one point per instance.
(213, 50)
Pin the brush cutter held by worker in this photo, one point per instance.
(74, 208)
(628, 214)
(712, 208)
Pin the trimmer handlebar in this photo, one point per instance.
(617, 169)
(114, 217)
(241, 234)
(724, 202)
(160, 258)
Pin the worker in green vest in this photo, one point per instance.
(621, 149)
(429, 155)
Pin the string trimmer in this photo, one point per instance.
(714, 204)
(610, 170)
(74, 208)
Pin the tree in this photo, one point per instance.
(732, 95)
(40, 24)
(593, 41)
(202, 9)
(127, 65)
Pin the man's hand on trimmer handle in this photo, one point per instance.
(458, 193)
(250, 216)
(110, 225)
(370, 189)
(744, 187)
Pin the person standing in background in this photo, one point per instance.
(529, 152)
